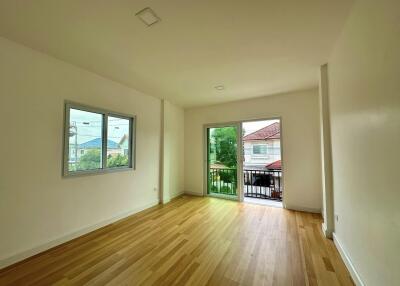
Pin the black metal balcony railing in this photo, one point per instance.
(263, 184)
(223, 181)
(257, 183)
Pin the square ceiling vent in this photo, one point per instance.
(148, 16)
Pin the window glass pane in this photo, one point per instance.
(118, 142)
(260, 149)
(85, 140)
(263, 149)
(256, 149)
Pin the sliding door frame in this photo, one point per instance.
(240, 155)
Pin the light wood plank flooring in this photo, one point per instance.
(193, 241)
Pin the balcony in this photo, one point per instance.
(261, 184)
(223, 181)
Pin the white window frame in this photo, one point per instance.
(105, 114)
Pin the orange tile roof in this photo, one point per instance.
(269, 132)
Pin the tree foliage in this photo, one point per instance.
(225, 141)
(92, 160)
(117, 161)
(228, 177)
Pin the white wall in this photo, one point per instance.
(38, 205)
(173, 162)
(300, 142)
(326, 153)
(364, 85)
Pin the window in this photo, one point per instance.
(118, 142)
(259, 149)
(97, 140)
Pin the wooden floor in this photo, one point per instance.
(193, 241)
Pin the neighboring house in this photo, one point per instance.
(277, 165)
(113, 148)
(262, 147)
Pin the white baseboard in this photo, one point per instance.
(167, 200)
(325, 231)
(302, 209)
(353, 272)
(193, 194)
(177, 195)
(50, 244)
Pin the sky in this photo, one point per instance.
(89, 126)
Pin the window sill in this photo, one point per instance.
(68, 174)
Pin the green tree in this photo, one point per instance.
(225, 140)
(90, 160)
(117, 161)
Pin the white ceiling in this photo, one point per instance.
(253, 48)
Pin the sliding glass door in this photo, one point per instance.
(222, 161)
